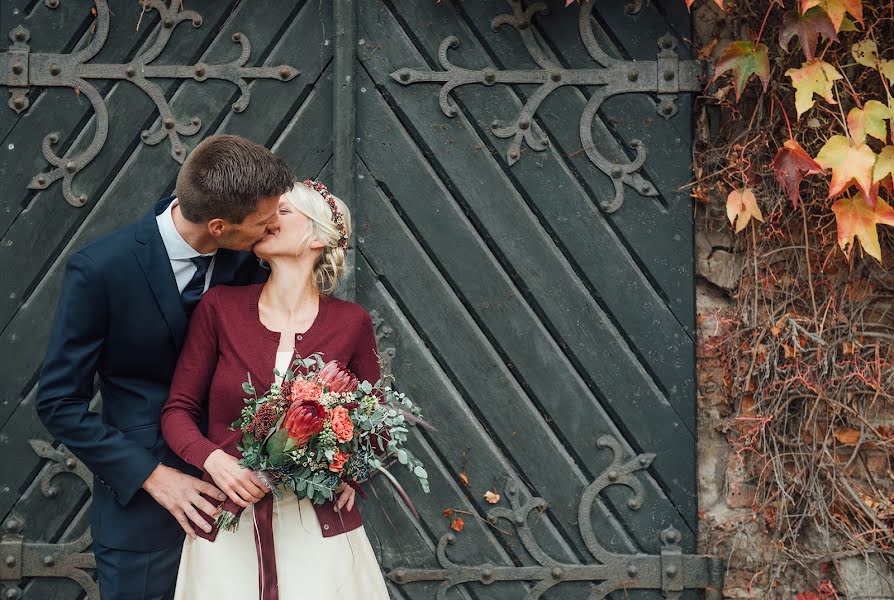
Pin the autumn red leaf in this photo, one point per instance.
(717, 2)
(836, 9)
(807, 27)
(744, 59)
(854, 217)
(817, 77)
(448, 512)
(850, 163)
(741, 205)
(791, 164)
(457, 524)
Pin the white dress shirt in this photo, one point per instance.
(179, 251)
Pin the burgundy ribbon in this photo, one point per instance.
(267, 577)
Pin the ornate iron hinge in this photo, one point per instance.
(666, 77)
(20, 559)
(671, 572)
(20, 69)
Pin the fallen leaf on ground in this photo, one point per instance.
(741, 205)
(491, 497)
(457, 524)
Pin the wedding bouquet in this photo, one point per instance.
(321, 427)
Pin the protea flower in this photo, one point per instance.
(304, 420)
(336, 379)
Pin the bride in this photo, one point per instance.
(283, 548)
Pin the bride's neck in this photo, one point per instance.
(289, 288)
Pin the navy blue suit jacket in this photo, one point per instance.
(120, 317)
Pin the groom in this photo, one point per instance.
(123, 313)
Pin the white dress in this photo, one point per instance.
(308, 565)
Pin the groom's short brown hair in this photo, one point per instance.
(226, 175)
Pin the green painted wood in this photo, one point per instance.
(597, 252)
(484, 190)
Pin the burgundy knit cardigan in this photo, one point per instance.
(226, 343)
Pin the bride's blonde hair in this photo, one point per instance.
(321, 226)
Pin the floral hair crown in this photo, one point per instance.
(337, 217)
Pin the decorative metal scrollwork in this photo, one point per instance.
(383, 332)
(671, 571)
(20, 69)
(665, 77)
(20, 559)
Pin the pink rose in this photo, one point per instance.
(340, 421)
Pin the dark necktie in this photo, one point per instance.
(192, 293)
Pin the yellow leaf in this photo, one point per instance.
(817, 77)
(865, 53)
(491, 497)
(884, 164)
(741, 205)
(855, 218)
(887, 69)
(871, 120)
(837, 9)
(849, 163)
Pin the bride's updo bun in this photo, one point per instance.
(322, 226)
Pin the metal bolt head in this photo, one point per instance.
(21, 35)
(70, 167)
(284, 72)
(10, 561)
(557, 573)
(632, 571)
(405, 76)
(178, 150)
(168, 22)
(633, 74)
(556, 77)
(13, 525)
(237, 36)
(53, 138)
(13, 593)
(18, 102)
(524, 124)
(18, 68)
(49, 561)
(200, 71)
(169, 122)
(524, 25)
(53, 3)
(130, 71)
(671, 571)
(55, 69)
(668, 75)
(43, 181)
(490, 77)
(70, 463)
(513, 154)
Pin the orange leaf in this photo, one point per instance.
(744, 59)
(836, 9)
(491, 497)
(741, 205)
(457, 524)
(791, 164)
(817, 77)
(464, 479)
(849, 163)
(848, 437)
(855, 217)
(448, 512)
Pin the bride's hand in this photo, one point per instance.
(346, 497)
(240, 484)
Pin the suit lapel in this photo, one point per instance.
(156, 266)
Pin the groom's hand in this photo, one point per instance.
(240, 484)
(180, 495)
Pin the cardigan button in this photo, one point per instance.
(325, 526)
(299, 337)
